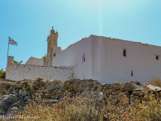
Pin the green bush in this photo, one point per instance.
(2, 74)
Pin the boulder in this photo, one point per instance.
(68, 84)
(136, 82)
(153, 88)
(24, 93)
(57, 94)
(114, 86)
(52, 85)
(80, 86)
(99, 96)
(9, 101)
(38, 83)
(130, 86)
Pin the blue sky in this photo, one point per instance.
(29, 23)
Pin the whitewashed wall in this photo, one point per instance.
(19, 72)
(72, 56)
(105, 61)
(109, 65)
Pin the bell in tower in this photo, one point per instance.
(53, 48)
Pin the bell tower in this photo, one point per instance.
(53, 48)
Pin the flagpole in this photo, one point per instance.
(8, 51)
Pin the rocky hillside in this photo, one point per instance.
(16, 94)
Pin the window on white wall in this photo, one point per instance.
(132, 73)
(157, 57)
(83, 58)
(124, 52)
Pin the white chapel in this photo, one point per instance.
(101, 58)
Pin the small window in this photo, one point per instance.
(124, 53)
(157, 57)
(83, 58)
(54, 54)
(132, 74)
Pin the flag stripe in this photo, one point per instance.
(12, 42)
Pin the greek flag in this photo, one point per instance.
(12, 42)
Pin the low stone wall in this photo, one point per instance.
(19, 72)
(16, 94)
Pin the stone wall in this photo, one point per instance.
(16, 94)
(20, 72)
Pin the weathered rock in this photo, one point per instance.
(9, 101)
(129, 86)
(115, 86)
(138, 93)
(139, 88)
(24, 93)
(21, 92)
(82, 85)
(26, 98)
(136, 82)
(154, 88)
(68, 84)
(99, 96)
(13, 110)
(57, 94)
(80, 88)
(54, 85)
(24, 85)
(2, 111)
(37, 84)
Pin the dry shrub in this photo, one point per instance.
(87, 109)
(155, 82)
(69, 109)
(149, 109)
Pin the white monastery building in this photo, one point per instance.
(100, 58)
